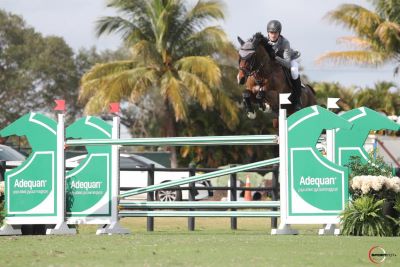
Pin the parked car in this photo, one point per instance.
(131, 178)
(9, 155)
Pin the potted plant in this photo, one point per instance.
(374, 194)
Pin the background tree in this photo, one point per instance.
(174, 53)
(34, 70)
(325, 89)
(377, 39)
(383, 97)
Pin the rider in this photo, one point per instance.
(285, 56)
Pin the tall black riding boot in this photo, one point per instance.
(295, 97)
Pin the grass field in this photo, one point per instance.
(212, 244)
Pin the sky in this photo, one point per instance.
(303, 24)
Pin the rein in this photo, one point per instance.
(251, 71)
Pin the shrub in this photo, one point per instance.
(1, 212)
(363, 217)
(375, 166)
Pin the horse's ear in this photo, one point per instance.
(240, 40)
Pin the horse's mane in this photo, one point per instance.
(260, 38)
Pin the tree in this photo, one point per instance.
(34, 70)
(384, 97)
(324, 90)
(377, 39)
(174, 61)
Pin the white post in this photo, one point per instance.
(283, 229)
(61, 227)
(114, 227)
(330, 134)
(330, 229)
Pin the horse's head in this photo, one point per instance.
(252, 57)
(247, 57)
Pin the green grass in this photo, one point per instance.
(212, 244)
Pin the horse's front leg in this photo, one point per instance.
(247, 99)
(261, 97)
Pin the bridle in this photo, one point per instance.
(250, 69)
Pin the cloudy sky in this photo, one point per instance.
(302, 20)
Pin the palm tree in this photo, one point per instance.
(324, 90)
(383, 97)
(174, 59)
(377, 39)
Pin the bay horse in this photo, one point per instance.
(265, 79)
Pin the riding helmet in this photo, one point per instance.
(274, 26)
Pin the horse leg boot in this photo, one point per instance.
(260, 97)
(247, 104)
(295, 97)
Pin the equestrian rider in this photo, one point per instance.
(285, 56)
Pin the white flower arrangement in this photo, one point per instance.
(368, 182)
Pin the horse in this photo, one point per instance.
(265, 79)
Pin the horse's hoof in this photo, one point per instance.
(251, 115)
(267, 108)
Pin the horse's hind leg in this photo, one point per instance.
(247, 96)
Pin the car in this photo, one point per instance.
(131, 178)
(8, 153)
(10, 156)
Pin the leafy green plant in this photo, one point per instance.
(396, 220)
(375, 166)
(364, 217)
(2, 213)
(397, 203)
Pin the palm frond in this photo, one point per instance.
(208, 41)
(229, 110)
(389, 34)
(198, 89)
(132, 83)
(355, 41)
(204, 67)
(360, 57)
(194, 20)
(355, 17)
(171, 90)
(133, 24)
(388, 9)
(95, 105)
(104, 69)
(145, 53)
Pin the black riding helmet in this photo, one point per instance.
(274, 26)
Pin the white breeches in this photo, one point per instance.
(294, 69)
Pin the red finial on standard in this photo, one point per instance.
(60, 104)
